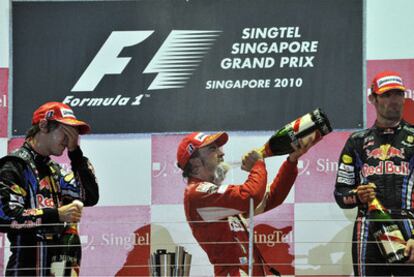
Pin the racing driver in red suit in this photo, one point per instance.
(215, 211)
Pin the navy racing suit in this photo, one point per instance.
(385, 157)
(32, 188)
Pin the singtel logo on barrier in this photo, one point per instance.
(272, 239)
(323, 165)
(326, 165)
(127, 242)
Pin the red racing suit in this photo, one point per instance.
(215, 214)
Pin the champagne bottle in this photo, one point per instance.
(311, 125)
(67, 260)
(386, 232)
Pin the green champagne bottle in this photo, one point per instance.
(67, 262)
(386, 232)
(68, 256)
(314, 124)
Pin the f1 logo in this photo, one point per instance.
(175, 61)
(107, 61)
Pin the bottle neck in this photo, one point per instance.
(71, 228)
(265, 150)
(376, 205)
(320, 119)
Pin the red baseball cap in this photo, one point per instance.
(386, 81)
(59, 112)
(195, 141)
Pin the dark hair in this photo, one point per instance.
(188, 168)
(51, 125)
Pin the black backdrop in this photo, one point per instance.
(150, 65)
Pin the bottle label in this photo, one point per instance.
(63, 257)
(64, 266)
(309, 127)
(302, 124)
(304, 128)
(58, 268)
(397, 257)
(392, 241)
(314, 136)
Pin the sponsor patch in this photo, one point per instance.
(235, 224)
(200, 137)
(346, 159)
(17, 198)
(350, 199)
(389, 80)
(346, 181)
(368, 144)
(44, 184)
(69, 177)
(345, 174)
(385, 152)
(243, 260)
(33, 212)
(207, 188)
(385, 168)
(347, 168)
(407, 144)
(27, 224)
(369, 139)
(49, 114)
(67, 113)
(18, 190)
(410, 129)
(15, 205)
(190, 149)
(388, 131)
(410, 139)
(45, 202)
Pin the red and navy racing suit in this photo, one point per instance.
(32, 187)
(215, 215)
(385, 157)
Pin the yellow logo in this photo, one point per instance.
(69, 177)
(18, 190)
(33, 212)
(346, 159)
(385, 148)
(410, 139)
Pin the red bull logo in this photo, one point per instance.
(385, 152)
(44, 184)
(387, 167)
